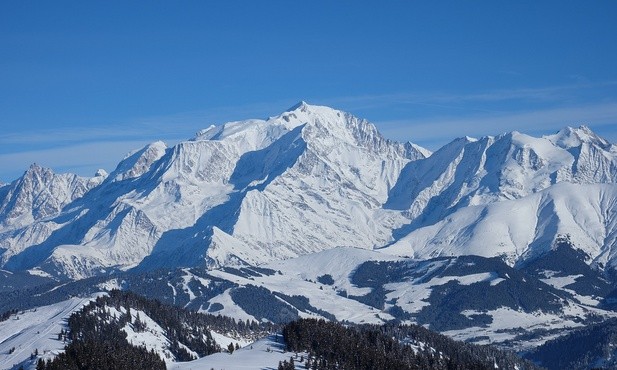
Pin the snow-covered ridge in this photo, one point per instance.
(570, 137)
(524, 228)
(39, 194)
(309, 179)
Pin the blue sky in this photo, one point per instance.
(82, 83)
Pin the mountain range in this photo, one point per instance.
(508, 240)
(311, 179)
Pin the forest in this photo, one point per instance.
(97, 339)
(332, 345)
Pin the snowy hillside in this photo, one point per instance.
(470, 298)
(27, 336)
(525, 227)
(511, 166)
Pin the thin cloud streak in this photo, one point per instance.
(173, 127)
(64, 135)
(544, 94)
(439, 131)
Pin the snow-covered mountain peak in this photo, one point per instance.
(39, 193)
(101, 173)
(37, 171)
(323, 127)
(570, 137)
(420, 149)
(327, 128)
(35, 167)
(301, 105)
(138, 162)
(308, 179)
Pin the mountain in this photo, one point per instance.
(315, 178)
(247, 191)
(469, 172)
(460, 200)
(523, 229)
(506, 240)
(40, 194)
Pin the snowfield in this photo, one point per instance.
(35, 330)
(264, 354)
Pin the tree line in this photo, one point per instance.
(332, 345)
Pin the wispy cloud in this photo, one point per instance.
(173, 127)
(434, 132)
(454, 100)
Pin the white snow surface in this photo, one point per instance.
(35, 329)
(523, 228)
(264, 354)
(263, 186)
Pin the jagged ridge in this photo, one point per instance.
(309, 179)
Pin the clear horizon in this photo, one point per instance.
(85, 83)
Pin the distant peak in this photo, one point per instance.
(579, 131)
(301, 106)
(305, 109)
(420, 149)
(101, 173)
(35, 168)
(570, 137)
(464, 140)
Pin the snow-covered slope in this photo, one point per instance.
(468, 298)
(497, 196)
(264, 354)
(511, 166)
(35, 331)
(525, 228)
(472, 298)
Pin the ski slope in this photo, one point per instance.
(33, 330)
